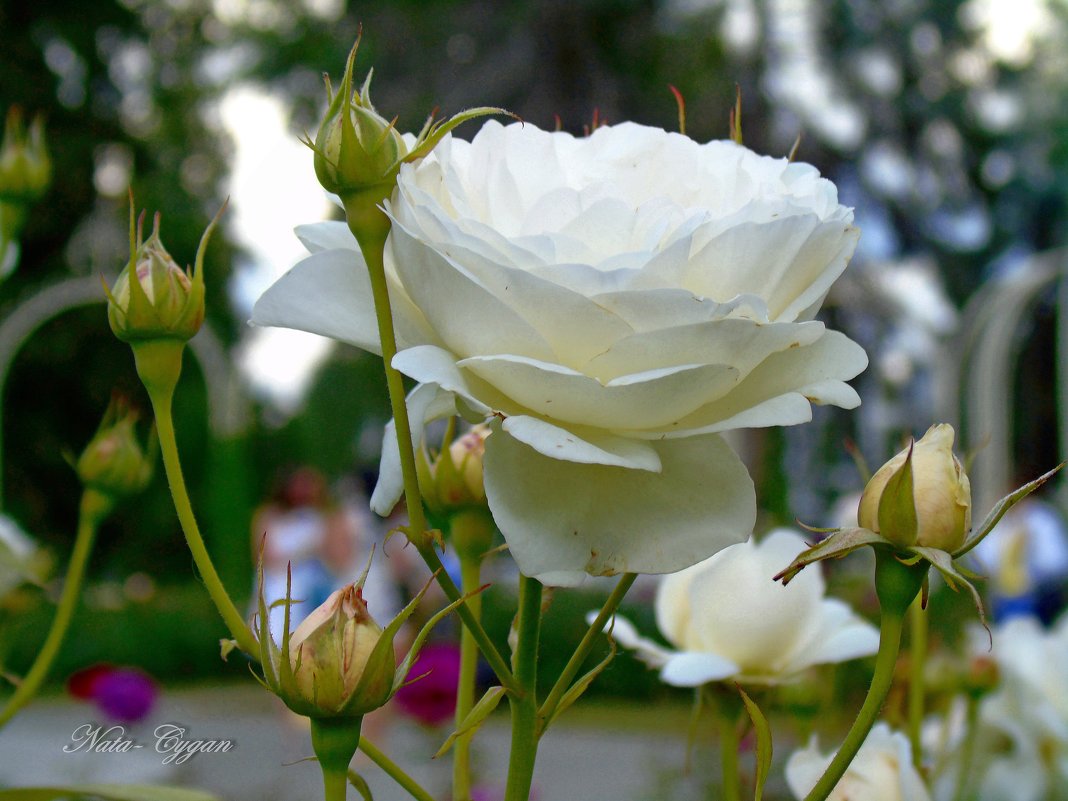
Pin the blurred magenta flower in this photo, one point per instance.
(125, 695)
(430, 698)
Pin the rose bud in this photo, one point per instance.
(25, 167)
(330, 652)
(114, 463)
(165, 302)
(356, 148)
(453, 480)
(922, 496)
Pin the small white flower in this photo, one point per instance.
(729, 620)
(612, 303)
(881, 771)
(17, 556)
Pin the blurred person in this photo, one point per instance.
(1026, 557)
(289, 533)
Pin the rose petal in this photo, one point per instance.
(623, 632)
(838, 636)
(606, 520)
(690, 669)
(329, 235)
(649, 400)
(740, 343)
(778, 391)
(469, 318)
(329, 293)
(591, 447)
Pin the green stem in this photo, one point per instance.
(896, 585)
(94, 508)
(373, 249)
(239, 630)
(917, 660)
(471, 578)
(334, 741)
(525, 707)
(574, 664)
(729, 742)
(967, 755)
(394, 771)
(335, 785)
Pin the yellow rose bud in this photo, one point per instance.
(329, 653)
(941, 495)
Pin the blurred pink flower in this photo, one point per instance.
(430, 698)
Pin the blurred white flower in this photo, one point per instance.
(611, 303)
(18, 562)
(1021, 751)
(729, 620)
(881, 771)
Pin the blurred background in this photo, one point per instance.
(945, 124)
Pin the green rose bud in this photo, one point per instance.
(25, 167)
(922, 496)
(153, 297)
(357, 149)
(330, 652)
(453, 480)
(114, 463)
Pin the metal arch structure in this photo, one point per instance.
(977, 379)
(228, 405)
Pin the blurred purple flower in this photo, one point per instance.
(431, 699)
(125, 695)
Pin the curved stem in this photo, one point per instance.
(574, 664)
(470, 575)
(239, 630)
(94, 508)
(917, 661)
(394, 771)
(372, 249)
(524, 749)
(896, 584)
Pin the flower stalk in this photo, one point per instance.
(468, 526)
(161, 399)
(896, 584)
(524, 707)
(394, 771)
(729, 742)
(373, 248)
(571, 669)
(335, 741)
(94, 507)
(918, 624)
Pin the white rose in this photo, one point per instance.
(613, 303)
(881, 771)
(1024, 725)
(729, 620)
